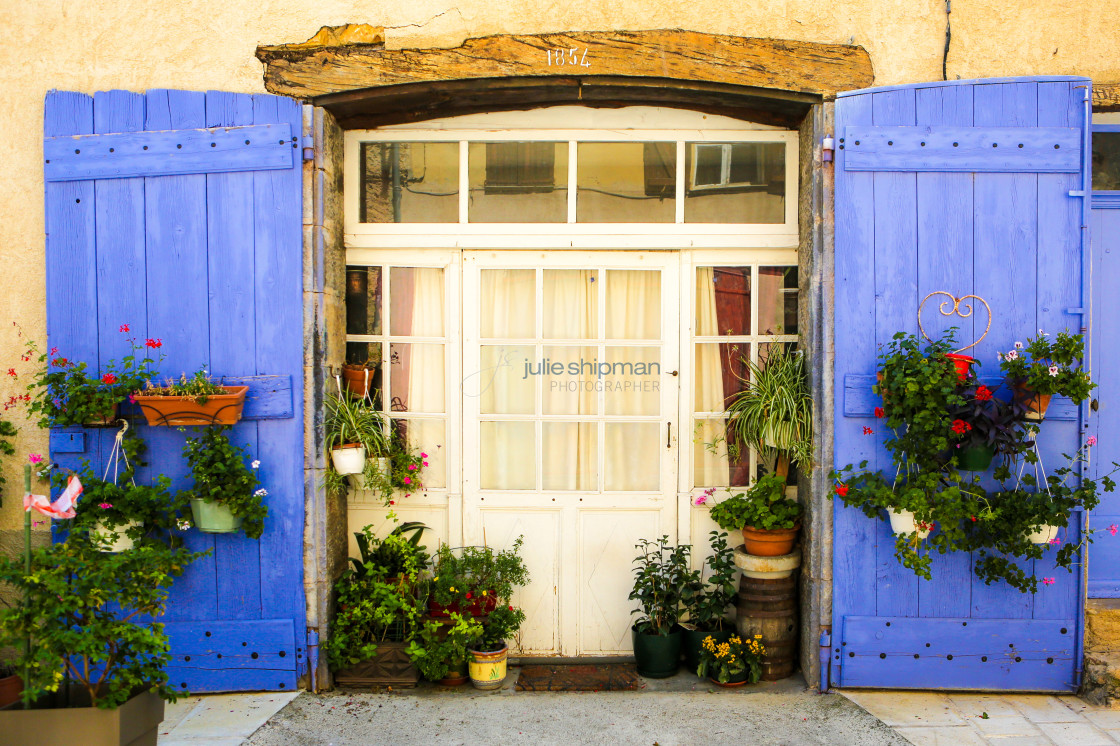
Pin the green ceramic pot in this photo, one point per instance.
(693, 639)
(657, 657)
(975, 458)
(213, 518)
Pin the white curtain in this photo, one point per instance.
(711, 467)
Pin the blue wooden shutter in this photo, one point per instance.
(963, 187)
(179, 214)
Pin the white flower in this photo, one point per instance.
(999, 355)
(1012, 355)
(1018, 345)
(1053, 370)
(257, 464)
(183, 524)
(261, 492)
(1042, 333)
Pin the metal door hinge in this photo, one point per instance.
(827, 145)
(308, 148)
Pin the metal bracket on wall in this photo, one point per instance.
(959, 308)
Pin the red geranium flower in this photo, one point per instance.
(879, 412)
(124, 328)
(511, 608)
(983, 394)
(60, 362)
(153, 342)
(468, 595)
(842, 490)
(867, 430)
(109, 378)
(12, 372)
(960, 427)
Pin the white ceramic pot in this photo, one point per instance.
(118, 540)
(383, 465)
(1044, 535)
(770, 568)
(350, 460)
(902, 522)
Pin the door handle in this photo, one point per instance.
(669, 436)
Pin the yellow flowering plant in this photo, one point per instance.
(732, 661)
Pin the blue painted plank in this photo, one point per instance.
(62, 441)
(278, 240)
(955, 148)
(230, 241)
(860, 400)
(945, 234)
(178, 313)
(1005, 252)
(204, 680)
(1059, 288)
(854, 328)
(259, 643)
(129, 154)
(71, 250)
(967, 83)
(1106, 200)
(896, 297)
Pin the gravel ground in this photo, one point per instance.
(703, 715)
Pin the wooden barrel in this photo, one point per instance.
(768, 607)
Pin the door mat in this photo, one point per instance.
(609, 677)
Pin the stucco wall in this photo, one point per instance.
(204, 44)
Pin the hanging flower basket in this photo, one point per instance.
(1035, 402)
(115, 539)
(186, 411)
(902, 522)
(975, 458)
(214, 518)
(349, 458)
(357, 379)
(1043, 535)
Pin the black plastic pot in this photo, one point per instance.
(657, 656)
(692, 639)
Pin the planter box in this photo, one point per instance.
(391, 666)
(135, 723)
(181, 411)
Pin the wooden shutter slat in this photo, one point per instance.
(951, 148)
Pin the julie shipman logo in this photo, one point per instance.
(595, 374)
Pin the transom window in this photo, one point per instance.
(713, 188)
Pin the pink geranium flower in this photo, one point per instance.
(35, 458)
(408, 480)
(105, 506)
(1092, 440)
(1048, 581)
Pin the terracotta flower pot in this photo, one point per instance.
(182, 411)
(1035, 402)
(767, 567)
(11, 687)
(737, 681)
(769, 542)
(963, 364)
(456, 674)
(357, 379)
(108, 420)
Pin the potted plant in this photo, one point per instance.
(984, 426)
(399, 469)
(706, 597)
(488, 654)
(89, 618)
(354, 429)
(774, 412)
(361, 377)
(226, 496)
(378, 614)
(769, 521)
(660, 577)
(11, 685)
(390, 558)
(731, 663)
(1044, 368)
(118, 516)
(191, 401)
(475, 580)
(64, 392)
(439, 648)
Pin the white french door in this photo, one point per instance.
(570, 429)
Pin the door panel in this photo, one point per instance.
(571, 409)
(1010, 233)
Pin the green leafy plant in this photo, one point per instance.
(372, 609)
(477, 578)
(498, 626)
(7, 430)
(661, 574)
(774, 412)
(66, 392)
(1053, 366)
(108, 505)
(222, 476)
(984, 420)
(351, 420)
(406, 467)
(437, 648)
(734, 660)
(710, 590)
(763, 506)
(92, 616)
(394, 554)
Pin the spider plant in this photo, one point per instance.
(774, 413)
(355, 421)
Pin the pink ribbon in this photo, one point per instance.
(63, 507)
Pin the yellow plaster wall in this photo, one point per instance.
(91, 45)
